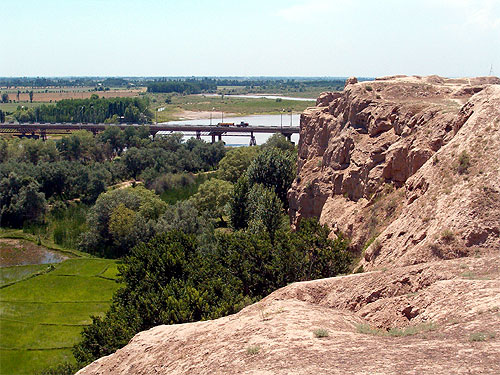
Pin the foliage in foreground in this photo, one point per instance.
(178, 277)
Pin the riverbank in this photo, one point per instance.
(191, 107)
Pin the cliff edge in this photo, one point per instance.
(407, 167)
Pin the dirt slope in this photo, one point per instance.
(414, 164)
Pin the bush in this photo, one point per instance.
(463, 162)
(62, 369)
(120, 219)
(320, 332)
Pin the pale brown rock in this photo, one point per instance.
(446, 303)
(382, 162)
(351, 81)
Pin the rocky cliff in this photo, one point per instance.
(408, 167)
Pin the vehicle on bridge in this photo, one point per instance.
(241, 124)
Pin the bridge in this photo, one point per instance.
(41, 130)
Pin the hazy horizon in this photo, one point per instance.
(221, 38)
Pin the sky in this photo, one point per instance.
(364, 38)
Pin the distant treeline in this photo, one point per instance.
(69, 82)
(188, 85)
(183, 87)
(197, 86)
(93, 110)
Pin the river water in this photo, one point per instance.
(284, 120)
(263, 96)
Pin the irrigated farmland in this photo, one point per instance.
(44, 307)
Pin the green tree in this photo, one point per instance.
(185, 217)
(80, 145)
(212, 197)
(20, 201)
(5, 98)
(236, 161)
(309, 253)
(4, 154)
(266, 210)
(278, 140)
(177, 278)
(2, 116)
(31, 96)
(159, 289)
(239, 204)
(274, 169)
(114, 137)
(105, 221)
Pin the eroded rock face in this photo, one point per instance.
(368, 154)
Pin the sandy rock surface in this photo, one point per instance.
(447, 313)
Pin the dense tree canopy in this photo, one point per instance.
(212, 197)
(93, 110)
(20, 200)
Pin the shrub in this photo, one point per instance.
(447, 236)
(253, 350)
(320, 332)
(481, 336)
(463, 162)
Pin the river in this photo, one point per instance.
(263, 96)
(255, 120)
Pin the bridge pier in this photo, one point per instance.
(198, 134)
(213, 138)
(220, 137)
(253, 142)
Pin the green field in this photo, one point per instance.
(41, 317)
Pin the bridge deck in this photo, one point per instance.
(153, 128)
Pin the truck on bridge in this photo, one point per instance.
(241, 124)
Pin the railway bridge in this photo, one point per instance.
(42, 130)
